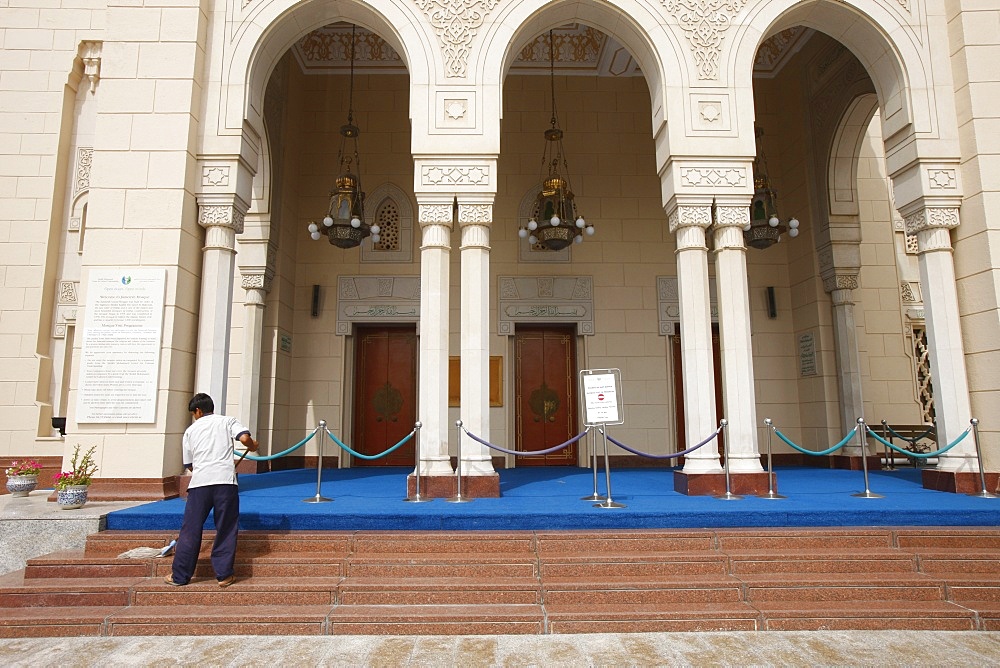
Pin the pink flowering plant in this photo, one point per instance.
(23, 467)
(81, 470)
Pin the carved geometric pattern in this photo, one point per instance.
(737, 216)
(475, 213)
(435, 213)
(84, 160)
(840, 282)
(705, 23)
(377, 299)
(545, 299)
(942, 179)
(387, 218)
(332, 44)
(922, 361)
(912, 247)
(906, 292)
(215, 176)
(456, 23)
(67, 292)
(775, 50)
(930, 218)
(719, 177)
(583, 45)
(221, 215)
(455, 175)
(686, 216)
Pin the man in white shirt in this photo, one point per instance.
(208, 452)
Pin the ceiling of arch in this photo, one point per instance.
(578, 49)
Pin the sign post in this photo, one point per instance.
(602, 392)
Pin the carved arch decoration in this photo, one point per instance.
(269, 28)
(892, 49)
(636, 25)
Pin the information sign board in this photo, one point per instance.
(602, 396)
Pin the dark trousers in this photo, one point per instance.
(224, 500)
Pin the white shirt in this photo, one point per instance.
(208, 447)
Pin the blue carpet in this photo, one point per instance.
(549, 498)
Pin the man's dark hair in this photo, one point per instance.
(202, 401)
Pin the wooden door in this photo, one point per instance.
(679, 389)
(545, 394)
(385, 396)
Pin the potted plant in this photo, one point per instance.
(71, 486)
(22, 477)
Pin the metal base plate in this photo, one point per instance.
(984, 495)
(869, 495)
(458, 499)
(594, 497)
(317, 499)
(608, 503)
(773, 495)
(729, 496)
(418, 499)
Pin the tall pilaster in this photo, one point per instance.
(475, 215)
(841, 285)
(688, 223)
(435, 215)
(952, 406)
(733, 294)
(257, 274)
(222, 218)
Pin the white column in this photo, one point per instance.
(257, 258)
(738, 396)
(222, 222)
(845, 333)
(688, 224)
(952, 406)
(435, 217)
(474, 220)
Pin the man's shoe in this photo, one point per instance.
(170, 581)
(225, 582)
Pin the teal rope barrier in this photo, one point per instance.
(817, 454)
(918, 455)
(379, 455)
(267, 458)
(908, 439)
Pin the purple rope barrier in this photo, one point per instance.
(670, 456)
(533, 453)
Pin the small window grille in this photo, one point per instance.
(925, 388)
(387, 218)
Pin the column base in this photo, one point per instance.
(714, 484)
(959, 482)
(853, 463)
(446, 486)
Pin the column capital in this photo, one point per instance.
(840, 281)
(221, 211)
(475, 213)
(690, 215)
(931, 225)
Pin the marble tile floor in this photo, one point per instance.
(768, 648)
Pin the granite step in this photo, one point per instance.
(842, 587)
(632, 618)
(56, 621)
(252, 591)
(677, 592)
(17, 592)
(440, 591)
(866, 615)
(211, 620)
(633, 565)
(77, 564)
(493, 619)
(871, 562)
(423, 565)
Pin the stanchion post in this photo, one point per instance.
(889, 456)
(862, 440)
(416, 498)
(771, 494)
(607, 503)
(319, 498)
(728, 496)
(593, 465)
(458, 469)
(979, 455)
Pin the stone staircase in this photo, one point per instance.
(313, 583)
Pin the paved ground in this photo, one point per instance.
(769, 648)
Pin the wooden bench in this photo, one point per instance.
(917, 438)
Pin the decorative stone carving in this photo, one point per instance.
(545, 299)
(458, 175)
(942, 179)
(732, 216)
(67, 292)
(716, 177)
(840, 282)
(221, 215)
(84, 161)
(215, 175)
(456, 23)
(669, 303)
(330, 46)
(455, 109)
(90, 54)
(931, 218)
(705, 23)
(475, 213)
(906, 292)
(377, 299)
(775, 51)
(430, 214)
(687, 216)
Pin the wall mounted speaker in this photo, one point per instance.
(314, 309)
(772, 307)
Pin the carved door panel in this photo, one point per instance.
(385, 397)
(545, 377)
(679, 388)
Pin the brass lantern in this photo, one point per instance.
(765, 227)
